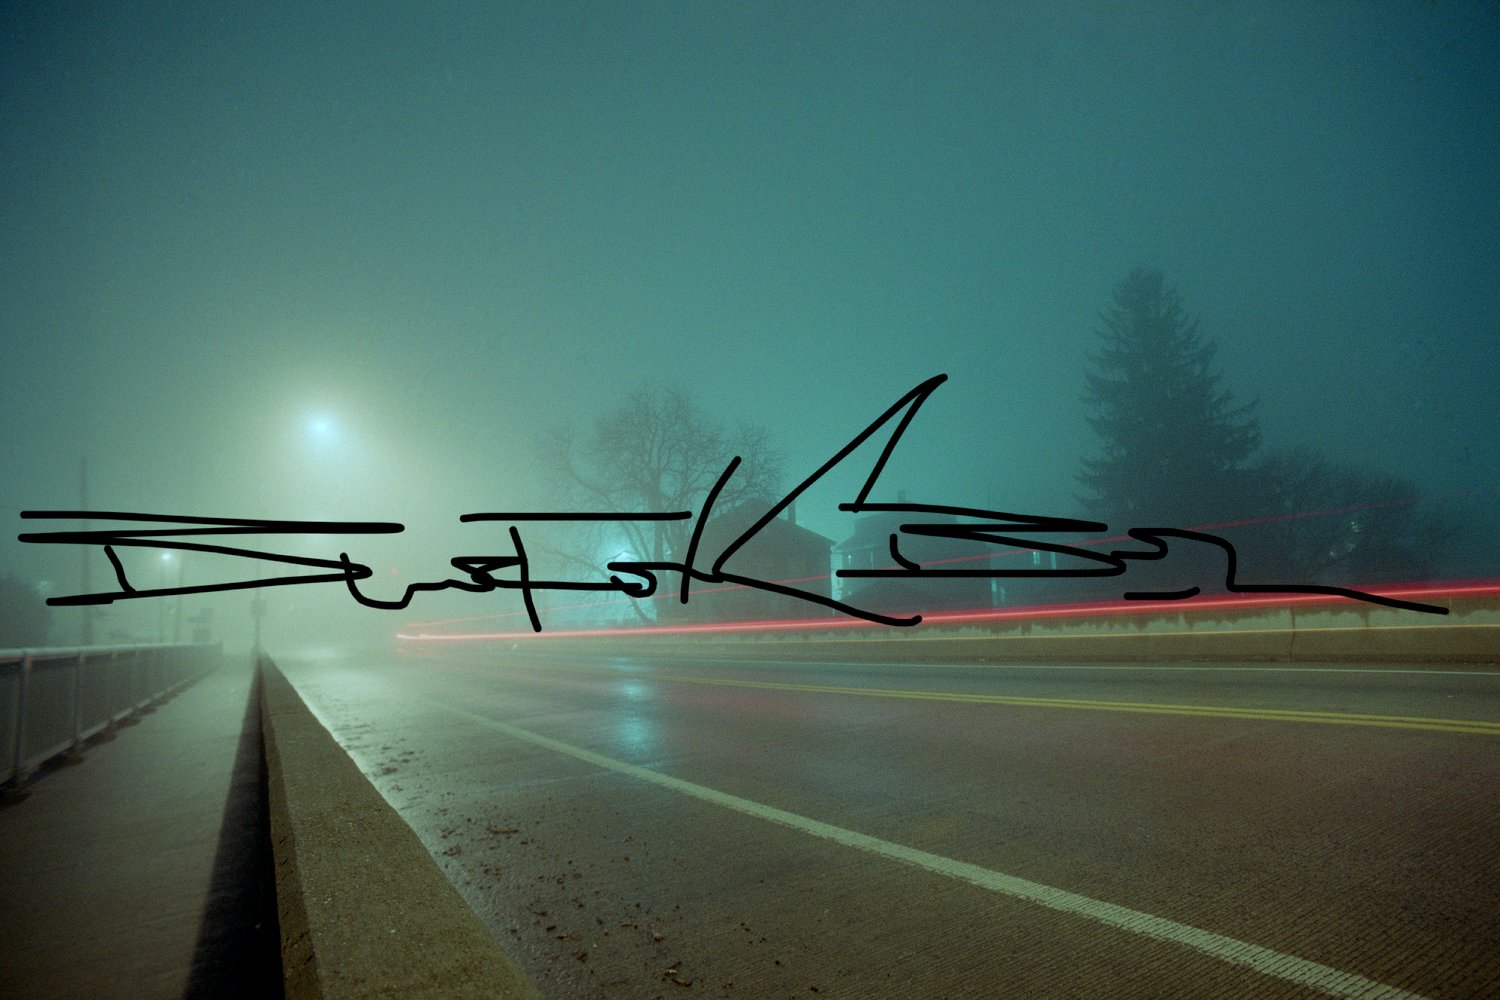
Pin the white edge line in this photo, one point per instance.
(1263, 960)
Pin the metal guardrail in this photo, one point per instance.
(51, 700)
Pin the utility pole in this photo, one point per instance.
(177, 611)
(258, 602)
(161, 605)
(86, 633)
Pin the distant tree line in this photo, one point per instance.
(25, 618)
(1178, 451)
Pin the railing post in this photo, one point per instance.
(17, 774)
(109, 680)
(137, 673)
(78, 700)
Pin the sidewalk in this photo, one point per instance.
(141, 869)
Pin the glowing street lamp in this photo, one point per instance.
(321, 429)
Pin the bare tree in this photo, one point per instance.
(655, 453)
(25, 618)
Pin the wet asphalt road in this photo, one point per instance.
(639, 828)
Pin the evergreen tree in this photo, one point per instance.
(1174, 442)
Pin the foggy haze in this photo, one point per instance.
(349, 261)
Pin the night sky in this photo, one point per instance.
(348, 260)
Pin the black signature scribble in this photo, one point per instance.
(639, 579)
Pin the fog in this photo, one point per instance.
(349, 261)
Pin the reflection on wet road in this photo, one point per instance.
(637, 828)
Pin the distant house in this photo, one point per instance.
(870, 548)
(781, 552)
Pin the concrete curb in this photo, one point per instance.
(1468, 638)
(1440, 647)
(364, 909)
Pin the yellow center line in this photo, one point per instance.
(1478, 726)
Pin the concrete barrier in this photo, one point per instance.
(1307, 633)
(364, 909)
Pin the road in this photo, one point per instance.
(639, 828)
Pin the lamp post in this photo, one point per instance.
(322, 438)
(161, 605)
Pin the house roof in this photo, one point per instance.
(723, 528)
(875, 529)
